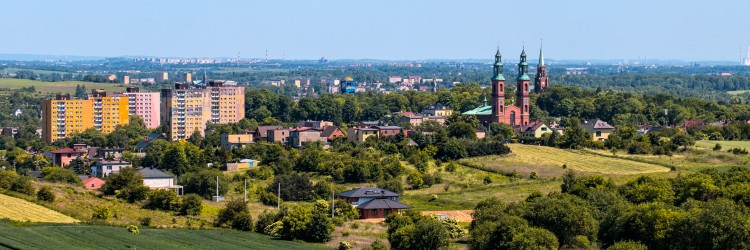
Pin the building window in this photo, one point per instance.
(374, 212)
(598, 133)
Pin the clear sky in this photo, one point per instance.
(379, 29)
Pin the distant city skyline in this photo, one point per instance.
(388, 30)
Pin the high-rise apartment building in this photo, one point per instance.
(145, 105)
(161, 76)
(63, 117)
(187, 109)
(109, 110)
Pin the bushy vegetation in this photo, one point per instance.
(698, 210)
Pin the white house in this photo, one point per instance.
(18, 112)
(157, 179)
(104, 168)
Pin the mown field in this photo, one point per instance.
(57, 87)
(20, 210)
(57, 236)
(725, 145)
(526, 158)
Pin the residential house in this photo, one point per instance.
(360, 134)
(157, 179)
(18, 112)
(373, 202)
(91, 183)
(300, 136)
(243, 164)
(315, 124)
(438, 110)
(62, 157)
(367, 124)
(104, 168)
(331, 132)
(535, 129)
(231, 141)
(415, 120)
(389, 130)
(598, 128)
(261, 134)
(108, 153)
(9, 131)
(279, 135)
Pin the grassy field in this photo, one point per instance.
(52, 236)
(725, 145)
(80, 204)
(737, 92)
(526, 158)
(58, 87)
(20, 210)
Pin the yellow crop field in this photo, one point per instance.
(21, 210)
(548, 161)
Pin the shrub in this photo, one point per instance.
(60, 175)
(45, 194)
(132, 193)
(146, 221)
(628, 245)
(451, 167)
(487, 179)
(415, 180)
(268, 198)
(533, 175)
(392, 184)
(433, 198)
(243, 221)
(192, 204)
(264, 220)
(377, 245)
(7, 178)
(294, 187)
(717, 147)
(102, 213)
(23, 185)
(344, 245)
(133, 229)
(166, 200)
(229, 213)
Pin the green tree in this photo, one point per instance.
(648, 189)
(203, 183)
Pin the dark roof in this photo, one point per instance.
(371, 192)
(263, 130)
(387, 127)
(383, 204)
(598, 124)
(148, 139)
(153, 173)
(328, 131)
(437, 106)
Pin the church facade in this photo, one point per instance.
(518, 113)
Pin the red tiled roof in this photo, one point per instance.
(67, 151)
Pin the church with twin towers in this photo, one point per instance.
(517, 113)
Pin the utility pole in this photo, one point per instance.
(278, 197)
(245, 189)
(217, 188)
(333, 202)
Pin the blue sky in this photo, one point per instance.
(388, 29)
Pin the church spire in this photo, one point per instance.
(523, 66)
(541, 55)
(498, 66)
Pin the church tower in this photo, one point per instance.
(541, 79)
(498, 89)
(522, 90)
